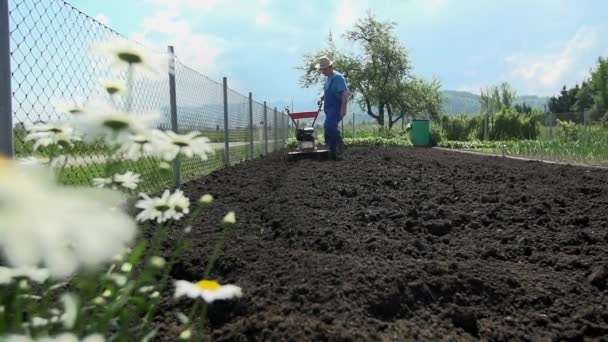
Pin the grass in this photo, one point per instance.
(576, 144)
(154, 178)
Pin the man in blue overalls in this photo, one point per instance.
(335, 96)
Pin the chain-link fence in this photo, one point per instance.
(48, 57)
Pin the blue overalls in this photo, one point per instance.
(335, 85)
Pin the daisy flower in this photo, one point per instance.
(72, 228)
(102, 120)
(126, 53)
(172, 144)
(180, 204)
(137, 146)
(51, 134)
(114, 87)
(127, 180)
(209, 290)
(161, 209)
(38, 275)
(69, 106)
(58, 161)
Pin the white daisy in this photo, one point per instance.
(126, 53)
(185, 335)
(206, 200)
(171, 144)
(38, 322)
(69, 106)
(126, 267)
(72, 227)
(137, 146)
(209, 290)
(180, 205)
(118, 279)
(114, 87)
(51, 134)
(128, 180)
(102, 120)
(167, 207)
(153, 208)
(58, 161)
(38, 275)
(157, 262)
(146, 289)
(70, 312)
(99, 301)
(230, 218)
(102, 182)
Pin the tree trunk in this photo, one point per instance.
(390, 117)
(380, 118)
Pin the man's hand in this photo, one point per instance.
(321, 100)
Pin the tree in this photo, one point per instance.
(565, 102)
(380, 77)
(523, 108)
(599, 88)
(418, 97)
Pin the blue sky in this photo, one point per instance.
(536, 45)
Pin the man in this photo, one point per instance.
(335, 95)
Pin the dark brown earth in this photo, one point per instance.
(404, 244)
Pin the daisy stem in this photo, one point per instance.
(158, 239)
(194, 310)
(203, 319)
(129, 88)
(217, 250)
(16, 309)
(165, 278)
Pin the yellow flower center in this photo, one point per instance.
(130, 57)
(112, 90)
(208, 285)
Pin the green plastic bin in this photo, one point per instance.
(421, 132)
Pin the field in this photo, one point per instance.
(401, 244)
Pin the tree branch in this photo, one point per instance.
(369, 109)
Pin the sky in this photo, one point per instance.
(536, 45)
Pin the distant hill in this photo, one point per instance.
(464, 102)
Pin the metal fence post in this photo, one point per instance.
(275, 133)
(173, 103)
(226, 133)
(6, 95)
(265, 129)
(250, 125)
(283, 130)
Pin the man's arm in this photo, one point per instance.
(344, 107)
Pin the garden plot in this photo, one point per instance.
(402, 243)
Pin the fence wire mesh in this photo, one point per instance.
(51, 59)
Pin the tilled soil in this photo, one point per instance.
(398, 244)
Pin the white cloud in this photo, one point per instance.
(473, 88)
(200, 5)
(262, 19)
(197, 50)
(547, 72)
(347, 14)
(102, 18)
(435, 4)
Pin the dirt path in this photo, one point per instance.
(405, 244)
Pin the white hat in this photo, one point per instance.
(324, 62)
